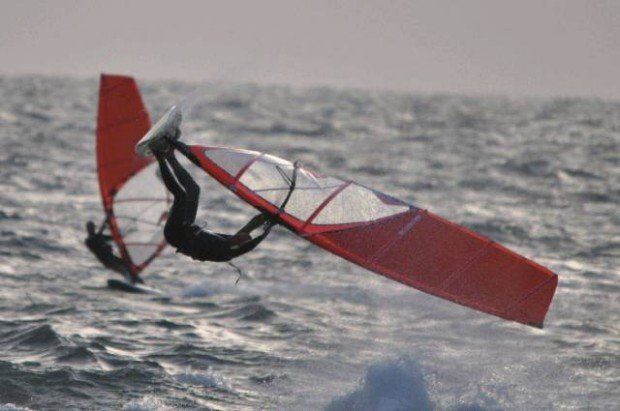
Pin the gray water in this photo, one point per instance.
(305, 330)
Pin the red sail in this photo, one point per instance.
(390, 237)
(135, 214)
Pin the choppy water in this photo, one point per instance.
(305, 330)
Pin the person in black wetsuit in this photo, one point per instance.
(99, 244)
(181, 231)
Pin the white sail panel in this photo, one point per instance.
(232, 161)
(141, 209)
(357, 204)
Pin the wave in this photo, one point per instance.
(190, 355)
(207, 379)
(390, 386)
(400, 385)
(76, 355)
(34, 336)
(13, 407)
(248, 312)
(536, 175)
(146, 403)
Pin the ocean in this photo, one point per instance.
(303, 329)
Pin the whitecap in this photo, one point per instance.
(146, 403)
(208, 379)
(12, 407)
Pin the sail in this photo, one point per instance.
(388, 236)
(134, 200)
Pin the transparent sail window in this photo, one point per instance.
(231, 160)
(266, 177)
(358, 204)
(141, 209)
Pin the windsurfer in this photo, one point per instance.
(99, 244)
(180, 230)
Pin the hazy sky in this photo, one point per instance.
(531, 47)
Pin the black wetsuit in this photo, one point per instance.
(99, 244)
(180, 230)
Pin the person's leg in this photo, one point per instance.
(117, 264)
(192, 190)
(170, 182)
(185, 150)
(176, 217)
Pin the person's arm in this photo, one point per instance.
(104, 224)
(253, 224)
(243, 241)
(243, 235)
(247, 246)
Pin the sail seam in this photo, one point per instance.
(415, 218)
(245, 167)
(457, 273)
(528, 295)
(325, 202)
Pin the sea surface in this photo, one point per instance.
(305, 330)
